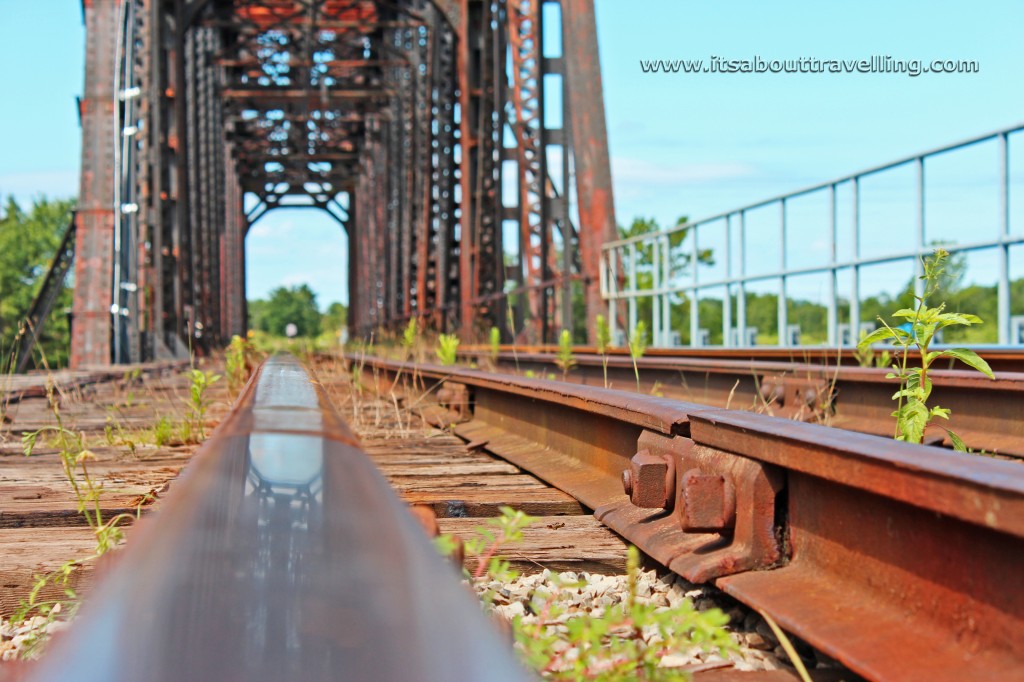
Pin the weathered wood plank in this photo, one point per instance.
(28, 552)
(560, 543)
(437, 470)
(420, 483)
(487, 502)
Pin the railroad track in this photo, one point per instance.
(988, 415)
(900, 561)
(242, 553)
(174, 567)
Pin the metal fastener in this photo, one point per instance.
(650, 480)
(709, 502)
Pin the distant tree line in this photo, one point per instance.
(296, 305)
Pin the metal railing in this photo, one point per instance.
(669, 260)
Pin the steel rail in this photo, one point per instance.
(899, 560)
(281, 554)
(999, 358)
(987, 414)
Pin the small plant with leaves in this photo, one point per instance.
(74, 459)
(410, 338)
(115, 434)
(565, 359)
(913, 414)
(163, 432)
(637, 347)
(497, 533)
(603, 336)
(240, 360)
(495, 345)
(198, 404)
(627, 642)
(447, 348)
(867, 357)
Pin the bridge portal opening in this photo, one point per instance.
(297, 258)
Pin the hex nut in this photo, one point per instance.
(650, 480)
(708, 502)
(772, 391)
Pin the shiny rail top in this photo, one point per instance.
(282, 554)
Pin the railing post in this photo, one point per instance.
(666, 298)
(783, 300)
(833, 304)
(741, 303)
(655, 295)
(1003, 292)
(727, 298)
(855, 284)
(632, 289)
(918, 265)
(694, 299)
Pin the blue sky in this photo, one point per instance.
(680, 144)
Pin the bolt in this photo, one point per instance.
(708, 502)
(771, 391)
(650, 480)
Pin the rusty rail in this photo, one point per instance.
(987, 414)
(901, 561)
(282, 554)
(999, 358)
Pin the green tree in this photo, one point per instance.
(335, 318)
(293, 305)
(28, 243)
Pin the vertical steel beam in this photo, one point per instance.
(590, 147)
(90, 341)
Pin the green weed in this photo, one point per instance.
(912, 412)
(495, 344)
(240, 360)
(637, 347)
(194, 426)
(625, 642)
(603, 336)
(447, 347)
(163, 432)
(565, 359)
(74, 459)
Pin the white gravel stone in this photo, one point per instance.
(665, 590)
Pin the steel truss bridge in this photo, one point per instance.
(448, 138)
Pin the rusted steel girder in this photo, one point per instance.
(94, 239)
(901, 561)
(590, 148)
(283, 554)
(401, 106)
